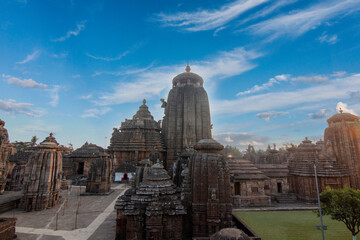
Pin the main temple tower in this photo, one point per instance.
(187, 114)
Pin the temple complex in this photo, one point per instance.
(43, 175)
(136, 139)
(187, 114)
(5, 150)
(20, 160)
(302, 175)
(342, 141)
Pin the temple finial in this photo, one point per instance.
(340, 110)
(187, 69)
(144, 101)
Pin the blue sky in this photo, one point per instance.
(274, 70)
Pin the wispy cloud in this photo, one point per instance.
(202, 20)
(79, 27)
(242, 139)
(322, 113)
(311, 79)
(338, 88)
(269, 9)
(11, 106)
(152, 82)
(25, 83)
(344, 107)
(37, 127)
(30, 57)
(85, 97)
(54, 95)
(299, 22)
(60, 55)
(328, 39)
(108, 59)
(267, 115)
(95, 112)
(275, 80)
(124, 71)
(76, 76)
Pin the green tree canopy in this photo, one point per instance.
(343, 205)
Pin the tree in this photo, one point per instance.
(343, 205)
(33, 140)
(233, 151)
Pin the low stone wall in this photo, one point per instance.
(7, 228)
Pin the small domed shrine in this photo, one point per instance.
(342, 141)
(43, 174)
(136, 139)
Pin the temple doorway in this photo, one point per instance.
(81, 168)
(125, 177)
(279, 187)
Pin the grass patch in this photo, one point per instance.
(294, 225)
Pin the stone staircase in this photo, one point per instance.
(285, 198)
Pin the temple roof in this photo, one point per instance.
(49, 143)
(88, 150)
(143, 112)
(188, 78)
(155, 195)
(20, 157)
(208, 145)
(242, 169)
(347, 117)
(142, 133)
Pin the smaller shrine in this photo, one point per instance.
(152, 210)
(43, 175)
(99, 178)
(302, 174)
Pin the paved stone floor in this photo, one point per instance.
(95, 219)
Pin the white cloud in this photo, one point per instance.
(152, 82)
(60, 55)
(267, 115)
(299, 22)
(267, 10)
(37, 127)
(328, 39)
(275, 80)
(95, 112)
(310, 79)
(344, 107)
(202, 20)
(26, 83)
(241, 139)
(54, 95)
(11, 106)
(108, 59)
(322, 113)
(79, 27)
(76, 76)
(30, 57)
(85, 97)
(333, 89)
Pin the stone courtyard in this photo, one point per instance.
(95, 218)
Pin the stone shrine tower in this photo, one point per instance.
(43, 173)
(187, 114)
(136, 138)
(342, 141)
(211, 194)
(5, 149)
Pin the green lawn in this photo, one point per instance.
(292, 225)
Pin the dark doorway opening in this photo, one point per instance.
(237, 188)
(279, 187)
(81, 168)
